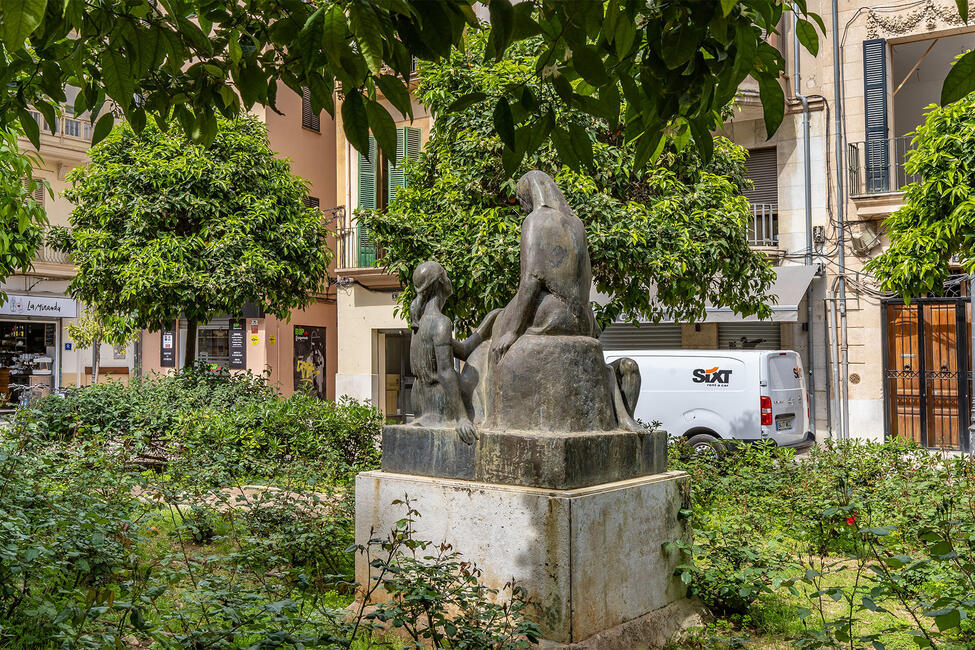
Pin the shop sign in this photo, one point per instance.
(39, 306)
(238, 346)
(309, 358)
(167, 351)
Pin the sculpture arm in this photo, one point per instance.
(463, 349)
(450, 383)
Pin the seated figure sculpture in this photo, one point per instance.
(436, 395)
(539, 366)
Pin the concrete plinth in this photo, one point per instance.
(555, 460)
(590, 558)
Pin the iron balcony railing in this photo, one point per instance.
(763, 230)
(356, 249)
(877, 166)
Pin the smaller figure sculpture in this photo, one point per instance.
(437, 397)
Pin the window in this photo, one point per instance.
(309, 119)
(312, 202)
(213, 344)
(379, 180)
(38, 194)
(761, 168)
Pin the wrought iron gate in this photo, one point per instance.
(926, 371)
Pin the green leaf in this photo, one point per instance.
(355, 122)
(502, 25)
(20, 18)
(334, 33)
(102, 127)
(466, 101)
(807, 35)
(590, 66)
(563, 145)
(648, 148)
(29, 124)
(773, 103)
(727, 6)
(947, 621)
(383, 128)
(117, 76)
(321, 93)
(960, 80)
(503, 123)
(581, 143)
(396, 92)
(625, 36)
(368, 34)
(962, 9)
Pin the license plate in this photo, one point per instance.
(784, 423)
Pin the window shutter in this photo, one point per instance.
(309, 119)
(367, 201)
(407, 147)
(762, 170)
(395, 178)
(38, 194)
(312, 202)
(877, 154)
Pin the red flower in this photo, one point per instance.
(851, 520)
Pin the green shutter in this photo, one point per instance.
(367, 201)
(407, 146)
(876, 154)
(395, 178)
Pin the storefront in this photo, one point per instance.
(30, 345)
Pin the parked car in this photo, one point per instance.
(709, 397)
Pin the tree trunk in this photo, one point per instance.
(96, 357)
(190, 357)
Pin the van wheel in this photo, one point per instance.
(705, 446)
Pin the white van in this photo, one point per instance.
(707, 396)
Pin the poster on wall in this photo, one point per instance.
(310, 360)
(238, 343)
(167, 350)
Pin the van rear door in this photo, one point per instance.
(786, 388)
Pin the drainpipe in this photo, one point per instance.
(832, 315)
(843, 392)
(807, 178)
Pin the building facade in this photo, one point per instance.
(297, 352)
(374, 360)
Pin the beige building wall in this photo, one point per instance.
(905, 23)
(366, 296)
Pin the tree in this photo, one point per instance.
(163, 228)
(937, 220)
(22, 217)
(675, 64)
(190, 59)
(90, 332)
(680, 224)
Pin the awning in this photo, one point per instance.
(789, 287)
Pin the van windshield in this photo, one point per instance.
(785, 371)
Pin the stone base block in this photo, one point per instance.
(591, 558)
(557, 460)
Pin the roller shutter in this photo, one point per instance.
(662, 336)
(763, 171)
(757, 336)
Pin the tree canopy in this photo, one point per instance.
(163, 228)
(937, 220)
(188, 60)
(22, 217)
(680, 224)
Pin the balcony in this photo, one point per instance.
(72, 135)
(763, 229)
(356, 256)
(876, 167)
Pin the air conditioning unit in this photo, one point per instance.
(865, 240)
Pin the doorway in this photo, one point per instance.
(926, 371)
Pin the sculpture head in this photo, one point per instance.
(430, 281)
(536, 189)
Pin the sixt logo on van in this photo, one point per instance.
(711, 376)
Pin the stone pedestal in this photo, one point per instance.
(558, 460)
(591, 558)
